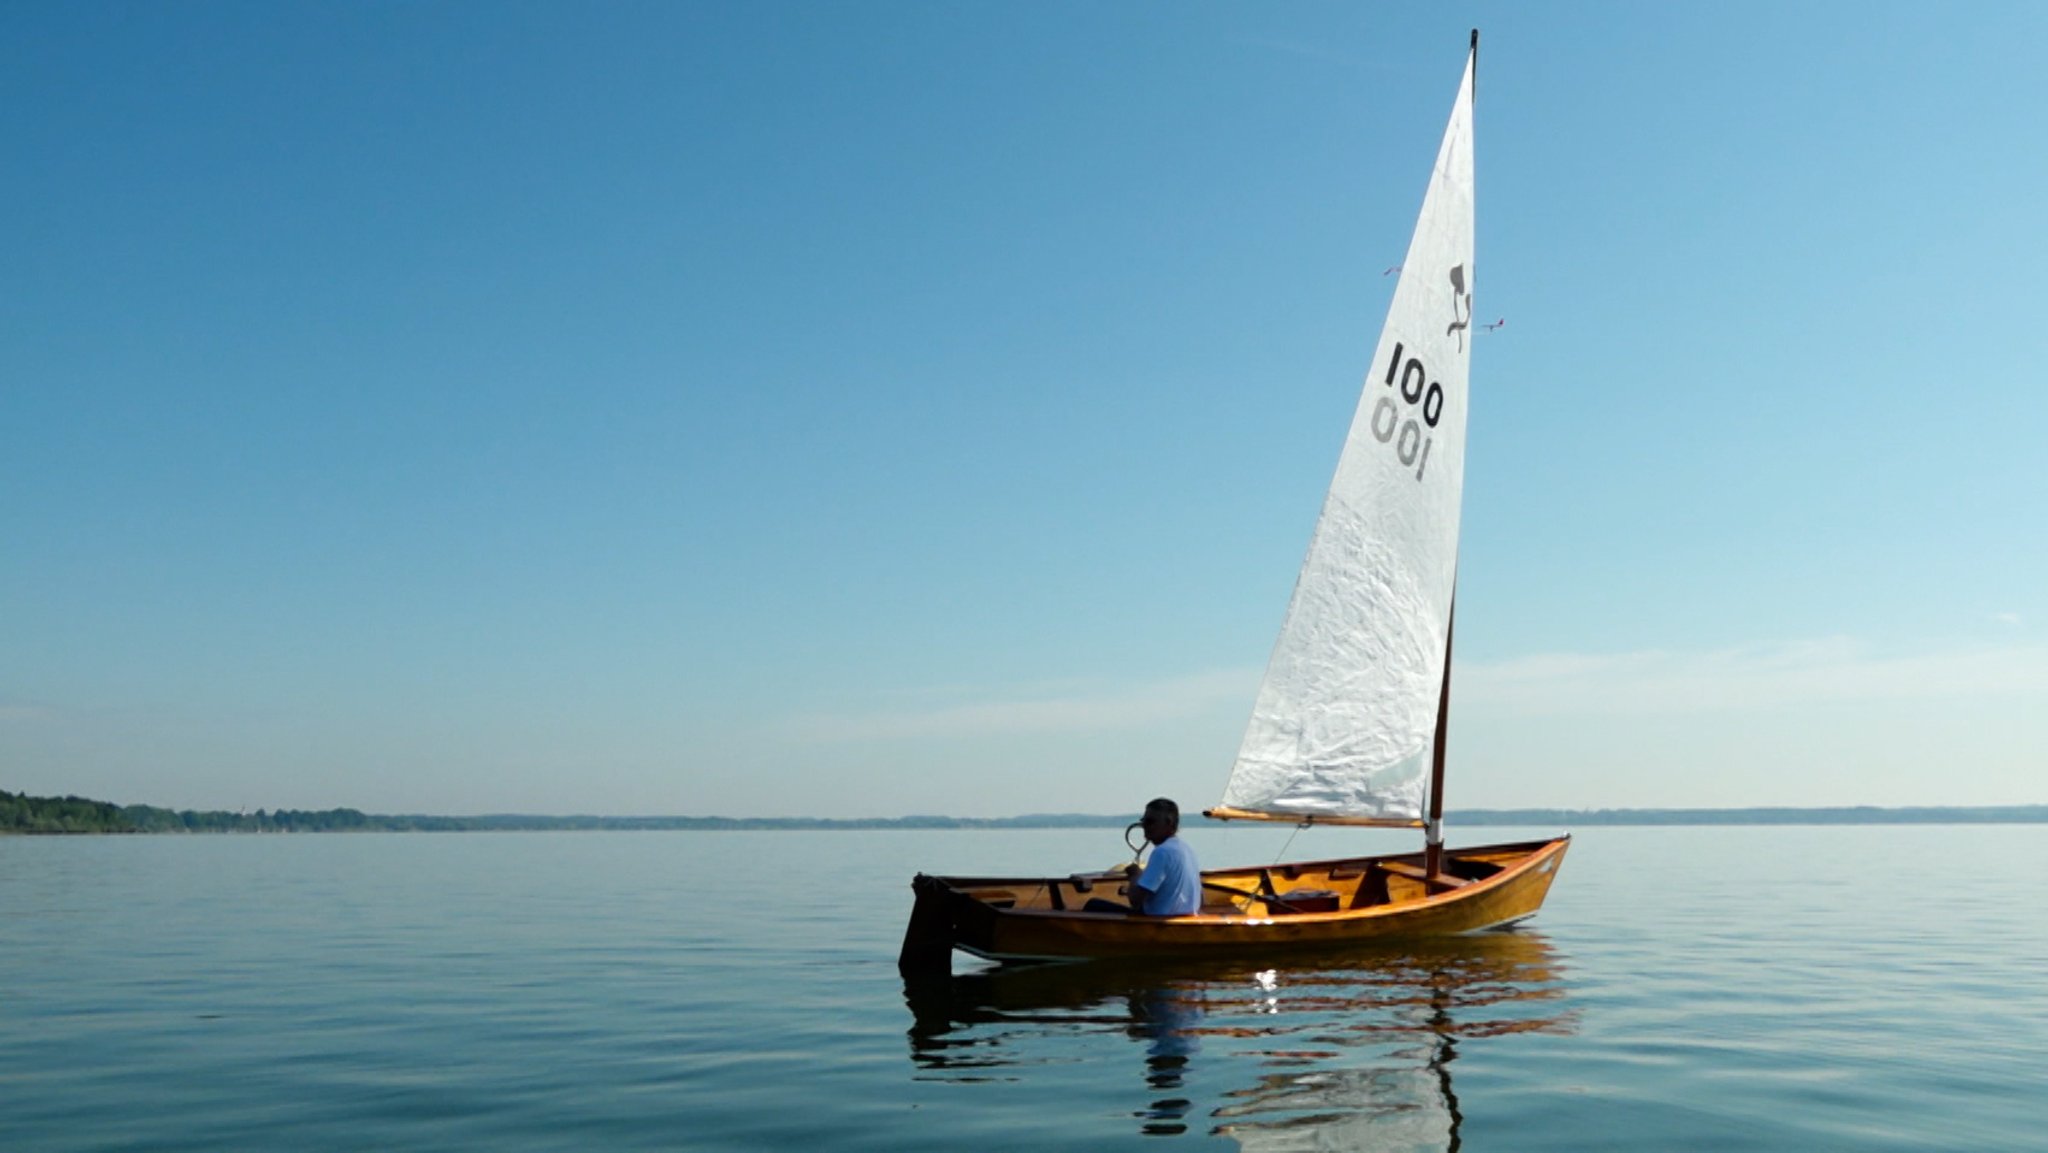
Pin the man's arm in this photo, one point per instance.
(1145, 885)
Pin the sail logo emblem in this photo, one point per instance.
(1459, 324)
(1424, 397)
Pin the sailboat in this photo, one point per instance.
(1350, 723)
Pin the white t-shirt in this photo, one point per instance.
(1172, 881)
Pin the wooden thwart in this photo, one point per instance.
(1418, 873)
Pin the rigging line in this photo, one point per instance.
(1290, 840)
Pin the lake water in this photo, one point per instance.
(1845, 988)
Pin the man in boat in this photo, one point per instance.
(1171, 885)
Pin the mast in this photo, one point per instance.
(1433, 826)
(1433, 829)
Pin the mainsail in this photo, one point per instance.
(1345, 722)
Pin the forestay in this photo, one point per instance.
(1345, 720)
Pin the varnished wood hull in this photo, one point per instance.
(1247, 911)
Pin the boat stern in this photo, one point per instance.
(928, 939)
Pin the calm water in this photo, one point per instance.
(1824, 988)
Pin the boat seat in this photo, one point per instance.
(1417, 873)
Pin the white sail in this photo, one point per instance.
(1346, 718)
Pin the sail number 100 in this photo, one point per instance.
(1410, 439)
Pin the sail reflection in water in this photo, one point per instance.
(1336, 1051)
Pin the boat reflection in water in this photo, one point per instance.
(1349, 1050)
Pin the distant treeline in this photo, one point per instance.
(24, 814)
(20, 814)
(1845, 815)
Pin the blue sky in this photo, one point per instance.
(871, 409)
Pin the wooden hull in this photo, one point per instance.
(1246, 911)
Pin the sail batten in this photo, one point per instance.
(1345, 721)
